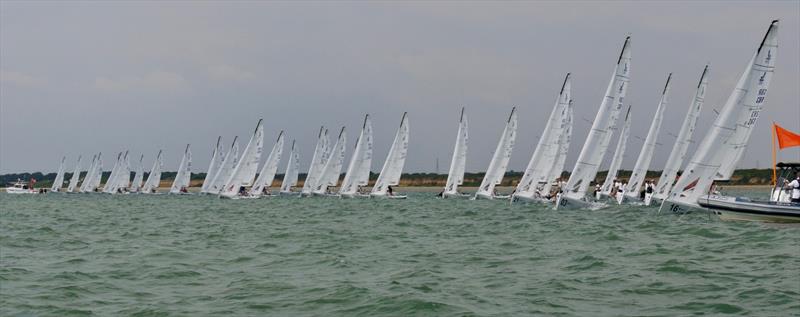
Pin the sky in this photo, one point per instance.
(78, 78)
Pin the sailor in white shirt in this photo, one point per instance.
(795, 187)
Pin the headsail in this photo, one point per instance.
(267, 174)
(619, 154)
(138, 178)
(395, 160)
(226, 168)
(111, 182)
(502, 154)
(292, 170)
(317, 162)
(563, 148)
(59, 181)
(361, 162)
(73, 181)
(333, 167)
(213, 166)
(244, 173)
(458, 163)
(184, 175)
(154, 178)
(648, 148)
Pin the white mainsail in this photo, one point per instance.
(361, 162)
(458, 164)
(213, 166)
(596, 144)
(563, 148)
(684, 139)
(59, 181)
(245, 171)
(723, 147)
(619, 155)
(502, 154)
(395, 160)
(546, 153)
(292, 171)
(138, 179)
(124, 179)
(267, 174)
(226, 168)
(317, 162)
(110, 185)
(73, 181)
(329, 177)
(97, 175)
(184, 174)
(89, 175)
(154, 178)
(648, 148)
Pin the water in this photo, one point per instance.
(76, 255)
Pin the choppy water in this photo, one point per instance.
(65, 255)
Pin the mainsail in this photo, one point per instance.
(619, 154)
(213, 166)
(89, 175)
(154, 178)
(546, 153)
(333, 167)
(724, 145)
(684, 139)
(184, 175)
(596, 144)
(267, 174)
(502, 154)
(361, 162)
(317, 162)
(648, 148)
(111, 182)
(563, 148)
(73, 181)
(59, 181)
(244, 173)
(292, 171)
(226, 168)
(458, 163)
(97, 175)
(138, 179)
(393, 166)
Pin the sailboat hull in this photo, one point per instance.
(567, 203)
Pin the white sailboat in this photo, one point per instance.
(543, 160)
(138, 178)
(317, 162)
(616, 161)
(292, 172)
(213, 166)
(499, 164)
(684, 139)
(360, 164)
(73, 181)
(124, 179)
(96, 176)
(458, 163)
(596, 144)
(393, 166)
(267, 174)
(184, 174)
(110, 185)
(631, 192)
(89, 175)
(154, 178)
(245, 171)
(59, 180)
(329, 177)
(225, 169)
(722, 148)
(563, 148)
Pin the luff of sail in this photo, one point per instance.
(290, 177)
(648, 148)
(722, 148)
(684, 139)
(455, 176)
(59, 180)
(244, 173)
(183, 177)
(393, 166)
(360, 164)
(599, 137)
(267, 174)
(619, 154)
(499, 163)
(73, 181)
(329, 177)
(213, 166)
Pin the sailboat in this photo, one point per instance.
(89, 175)
(631, 192)
(458, 163)
(292, 172)
(317, 162)
(684, 139)
(393, 166)
(267, 174)
(92, 179)
(245, 171)
(110, 186)
(213, 166)
(596, 144)
(184, 174)
(722, 148)
(124, 179)
(59, 180)
(538, 173)
(502, 154)
(329, 177)
(613, 169)
(563, 148)
(73, 181)
(225, 169)
(154, 178)
(138, 178)
(360, 164)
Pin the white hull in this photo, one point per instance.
(12, 190)
(455, 195)
(567, 203)
(386, 196)
(354, 196)
(289, 194)
(743, 209)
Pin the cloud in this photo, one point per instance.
(20, 79)
(159, 81)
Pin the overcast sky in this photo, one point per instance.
(82, 77)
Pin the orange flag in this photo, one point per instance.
(786, 138)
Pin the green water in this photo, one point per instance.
(80, 254)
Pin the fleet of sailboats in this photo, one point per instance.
(231, 175)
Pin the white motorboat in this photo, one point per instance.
(20, 187)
